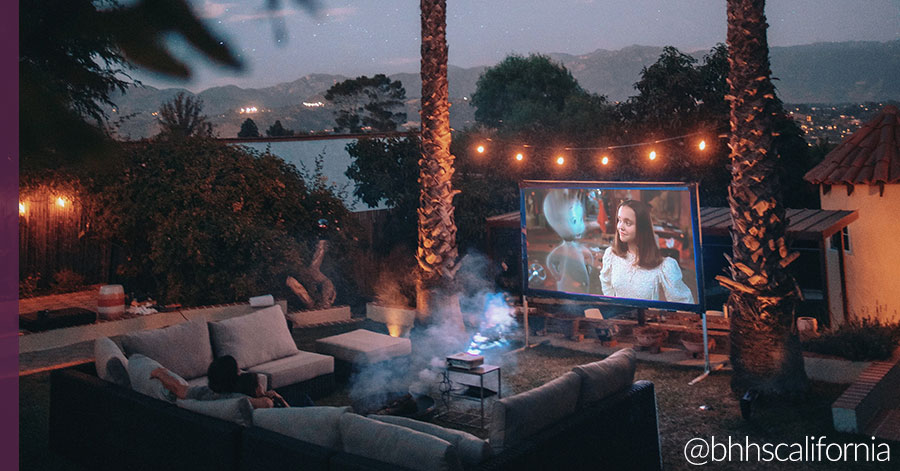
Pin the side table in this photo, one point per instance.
(447, 392)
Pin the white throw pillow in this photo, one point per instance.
(319, 425)
(139, 369)
(110, 362)
(397, 445)
(602, 378)
(254, 338)
(182, 348)
(472, 450)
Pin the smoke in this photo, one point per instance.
(486, 312)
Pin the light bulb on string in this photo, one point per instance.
(560, 160)
(22, 209)
(604, 160)
(652, 155)
(702, 145)
(480, 149)
(519, 156)
(61, 202)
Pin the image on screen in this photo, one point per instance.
(629, 243)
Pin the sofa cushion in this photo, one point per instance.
(111, 362)
(518, 417)
(254, 338)
(294, 369)
(396, 445)
(139, 369)
(317, 425)
(233, 409)
(602, 378)
(363, 346)
(182, 348)
(471, 449)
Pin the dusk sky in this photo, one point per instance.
(356, 37)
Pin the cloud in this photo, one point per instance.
(211, 10)
(263, 15)
(402, 60)
(340, 14)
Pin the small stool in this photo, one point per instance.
(353, 351)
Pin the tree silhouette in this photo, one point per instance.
(368, 102)
(277, 130)
(248, 129)
(182, 118)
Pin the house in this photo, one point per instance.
(863, 174)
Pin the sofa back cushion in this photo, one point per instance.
(111, 362)
(518, 417)
(139, 369)
(254, 338)
(182, 348)
(471, 449)
(396, 445)
(319, 425)
(602, 378)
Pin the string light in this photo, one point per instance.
(519, 156)
(21, 208)
(604, 160)
(480, 149)
(61, 202)
(652, 155)
(702, 145)
(560, 160)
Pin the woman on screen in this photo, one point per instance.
(633, 266)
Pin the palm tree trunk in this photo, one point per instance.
(765, 352)
(437, 251)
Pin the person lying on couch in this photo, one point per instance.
(224, 377)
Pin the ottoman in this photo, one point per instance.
(356, 350)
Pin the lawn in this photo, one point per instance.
(680, 414)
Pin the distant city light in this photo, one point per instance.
(560, 160)
(480, 149)
(61, 202)
(519, 156)
(702, 145)
(22, 208)
(313, 105)
(652, 155)
(249, 109)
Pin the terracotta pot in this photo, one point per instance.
(695, 346)
(650, 338)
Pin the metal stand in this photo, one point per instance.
(706, 369)
(527, 330)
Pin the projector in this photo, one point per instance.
(465, 360)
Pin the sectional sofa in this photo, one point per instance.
(595, 417)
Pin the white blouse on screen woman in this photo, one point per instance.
(623, 278)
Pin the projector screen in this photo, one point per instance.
(625, 243)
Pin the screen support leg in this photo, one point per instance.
(527, 333)
(706, 369)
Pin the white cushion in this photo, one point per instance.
(294, 369)
(602, 378)
(253, 338)
(182, 348)
(363, 346)
(318, 425)
(110, 362)
(139, 369)
(396, 445)
(518, 417)
(235, 409)
(472, 450)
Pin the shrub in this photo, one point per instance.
(204, 222)
(866, 339)
(66, 281)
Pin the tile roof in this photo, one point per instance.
(871, 156)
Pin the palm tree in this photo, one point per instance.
(765, 354)
(437, 252)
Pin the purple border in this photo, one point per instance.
(9, 223)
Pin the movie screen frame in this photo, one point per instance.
(669, 236)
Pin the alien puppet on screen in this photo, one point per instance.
(571, 262)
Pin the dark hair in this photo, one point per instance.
(222, 374)
(648, 255)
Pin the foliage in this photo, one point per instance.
(67, 281)
(182, 118)
(205, 222)
(69, 66)
(866, 339)
(248, 129)
(387, 170)
(520, 92)
(277, 130)
(366, 102)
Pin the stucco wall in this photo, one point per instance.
(872, 269)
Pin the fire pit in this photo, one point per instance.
(410, 405)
